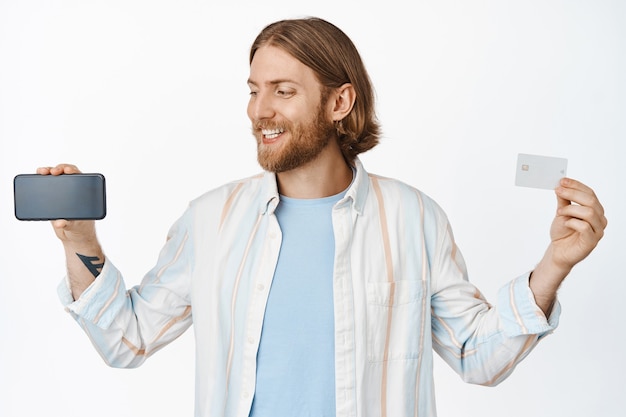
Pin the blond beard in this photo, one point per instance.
(305, 143)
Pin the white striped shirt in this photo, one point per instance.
(400, 290)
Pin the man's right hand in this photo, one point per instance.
(70, 232)
(84, 255)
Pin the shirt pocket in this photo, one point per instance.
(395, 315)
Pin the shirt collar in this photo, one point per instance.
(356, 193)
(269, 193)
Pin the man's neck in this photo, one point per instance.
(327, 175)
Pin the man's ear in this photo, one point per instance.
(343, 101)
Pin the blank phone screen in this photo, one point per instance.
(49, 197)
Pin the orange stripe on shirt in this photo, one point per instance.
(389, 265)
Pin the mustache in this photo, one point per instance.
(257, 126)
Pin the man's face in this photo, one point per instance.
(290, 119)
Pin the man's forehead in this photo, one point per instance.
(274, 65)
(278, 61)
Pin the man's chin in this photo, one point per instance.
(276, 165)
(269, 164)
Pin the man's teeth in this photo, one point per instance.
(271, 133)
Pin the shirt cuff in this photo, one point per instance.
(100, 302)
(520, 313)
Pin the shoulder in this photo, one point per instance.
(399, 193)
(406, 208)
(234, 201)
(220, 195)
(394, 195)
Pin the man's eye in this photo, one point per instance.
(284, 93)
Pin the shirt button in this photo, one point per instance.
(260, 287)
(273, 235)
(246, 394)
(251, 340)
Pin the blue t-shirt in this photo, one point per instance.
(296, 357)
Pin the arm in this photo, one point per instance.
(125, 326)
(83, 253)
(484, 343)
(577, 228)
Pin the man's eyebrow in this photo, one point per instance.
(274, 82)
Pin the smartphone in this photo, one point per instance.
(67, 196)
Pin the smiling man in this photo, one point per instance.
(316, 288)
(286, 100)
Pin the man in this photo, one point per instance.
(317, 288)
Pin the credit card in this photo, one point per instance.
(537, 171)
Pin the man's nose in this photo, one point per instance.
(261, 107)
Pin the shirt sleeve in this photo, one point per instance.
(519, 312)
(101, 301)
(127, 325)
(482, 342)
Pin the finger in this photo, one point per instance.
(579, 193)
(584, 229)
(588, 215)
(560, 201)
(575, 184)
(59, 224)
(64, 169)
(43, 170)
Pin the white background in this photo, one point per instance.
(152, 94)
